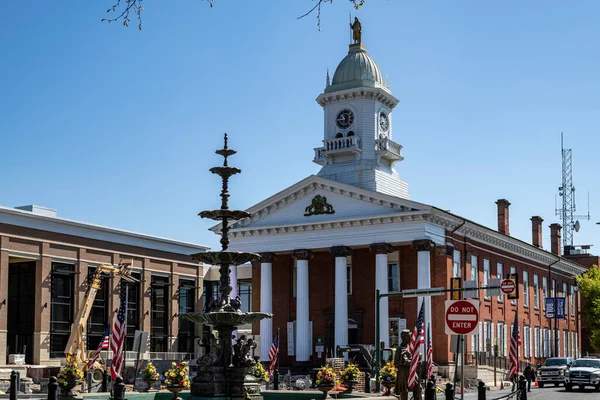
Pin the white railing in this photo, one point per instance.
(386, 144)
(343, 143)
(337, 145)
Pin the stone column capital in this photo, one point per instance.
(421, 245)
(267, 257)
(340, 251)
(381, 248)
(302, 254)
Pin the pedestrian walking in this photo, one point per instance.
(529, 375)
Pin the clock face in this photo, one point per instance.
(344, 119)
(384, 124)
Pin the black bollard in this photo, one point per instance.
(522, 388)
(119, 389)
(104, 387)
(449, 391)
(367, 382)
(14, 376)
(430, 391)
(53, 388)
(481, 391)
(276, 379)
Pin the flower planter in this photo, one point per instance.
(350, 384)
(150, 383)
(66, 391)
(175, 390)
(388, 385)
(325, 388)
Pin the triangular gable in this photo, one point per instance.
(343, 202)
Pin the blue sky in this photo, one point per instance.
(117, 127)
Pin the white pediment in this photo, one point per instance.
(290, 206)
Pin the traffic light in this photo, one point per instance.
(515, 294)
(455, 283)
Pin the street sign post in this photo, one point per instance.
(515, 294)
(508, 286)
(462, 317)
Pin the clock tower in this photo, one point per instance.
(357, 146)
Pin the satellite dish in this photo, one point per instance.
(577, 226)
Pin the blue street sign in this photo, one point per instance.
(560, 307)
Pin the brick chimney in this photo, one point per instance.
(536, 231)
(555, 239)
(503, 216)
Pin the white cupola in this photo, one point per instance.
(357, 146)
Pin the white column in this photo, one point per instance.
(266, 304)
(424, 275)
(303, 350)
(381, 251)
(341, 294)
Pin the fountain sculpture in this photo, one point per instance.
(225, 369)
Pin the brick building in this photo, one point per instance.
(329, 241)
(45, 262)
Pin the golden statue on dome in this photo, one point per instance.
(356, 31)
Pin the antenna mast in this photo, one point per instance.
(567, 194)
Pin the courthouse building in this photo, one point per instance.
(329, 241)
(45, 264)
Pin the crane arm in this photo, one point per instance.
(75, 350)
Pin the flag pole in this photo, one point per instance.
(278, 346)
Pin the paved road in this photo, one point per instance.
(547, 393)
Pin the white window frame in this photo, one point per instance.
(474, 270)
(572, 304)
(456, 264)
(486, 276)
(499, 275)
(544, 291)
(525, 289)
(500, 338)
(536, 288)
(349, 274)
(513, 270)
(389, 266)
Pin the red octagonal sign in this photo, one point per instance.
(462, 317)
(507, 286)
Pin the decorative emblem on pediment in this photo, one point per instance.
(319, 205)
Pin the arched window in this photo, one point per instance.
(351, 133)
(339, 135)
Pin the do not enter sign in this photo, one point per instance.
(508, 286)
(462, 317)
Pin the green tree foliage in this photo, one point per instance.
(589, 286)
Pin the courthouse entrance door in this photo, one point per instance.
(21, 309)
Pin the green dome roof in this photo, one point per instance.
(356, 69)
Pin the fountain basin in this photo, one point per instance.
(226, 318)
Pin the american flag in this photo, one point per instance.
(273, 353)
(117, 339)
(429, 353)
(515, 342)
(415, 347)
(102, 346)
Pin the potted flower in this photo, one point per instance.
(350, 377)
(177, 379)
(68, 377)
(325, 379)
(260, 372)
(150, 375)
(387, 376)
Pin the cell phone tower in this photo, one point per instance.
(567, 194)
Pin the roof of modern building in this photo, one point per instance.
(45, 219)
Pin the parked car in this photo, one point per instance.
(584, 372)
(553, 371)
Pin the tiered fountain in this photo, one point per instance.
(225, 369)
